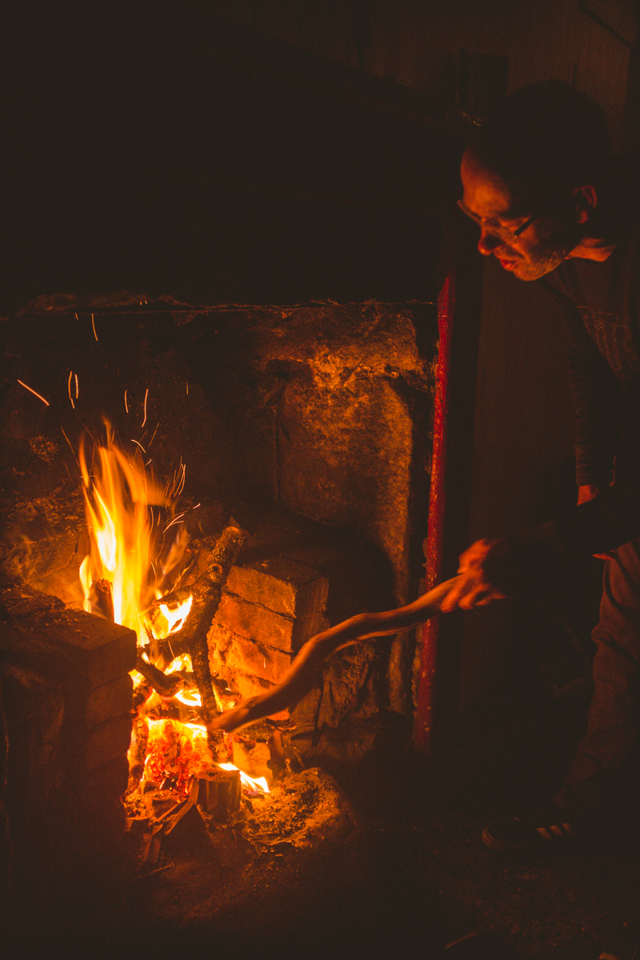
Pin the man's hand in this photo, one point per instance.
(473, 588)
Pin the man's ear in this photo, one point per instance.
(585, 200)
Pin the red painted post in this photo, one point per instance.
(435, 538)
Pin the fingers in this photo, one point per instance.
(469, 594)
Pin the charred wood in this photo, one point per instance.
(138, 751)
(207, 592)
(219, 794)
(141, 694)
(101, 598)
(167, 685)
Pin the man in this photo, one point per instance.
(554, 207)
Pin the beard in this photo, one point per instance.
(534, 268)
(546, 255)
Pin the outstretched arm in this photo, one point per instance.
(299, 678)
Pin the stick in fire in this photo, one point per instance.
(299, 679)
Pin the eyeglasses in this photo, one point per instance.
(494, 227)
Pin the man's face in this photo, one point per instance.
(538, 250)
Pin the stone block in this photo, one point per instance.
(109, 700)
(104, 785)
(107, 741)
(281, 585)
(34, 709)
(265, 662)
(101, 650)
(255, 622)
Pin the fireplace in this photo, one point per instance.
(309, 428)
(286, 179)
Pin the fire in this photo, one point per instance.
(118, 496)
(179, 751)
(138, 545)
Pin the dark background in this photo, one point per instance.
(277, 151)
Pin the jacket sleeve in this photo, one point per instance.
(533, 560)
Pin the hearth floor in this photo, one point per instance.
(412, 877)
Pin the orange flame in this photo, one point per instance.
(137, 553)
(118, 493)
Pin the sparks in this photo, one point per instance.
(126, 405)
(180, 486)
(93, 324)
(34, 392)
(139, 444)
(187, 387)
(69, 389)
(154, 433)
(175, 520)
(77, 387)
(146, 394)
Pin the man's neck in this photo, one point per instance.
(592, 248)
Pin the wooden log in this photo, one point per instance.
(138, 752)
(101, 598)
(207, 592)
(220, 793)
(167, 685)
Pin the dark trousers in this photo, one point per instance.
(613, 714)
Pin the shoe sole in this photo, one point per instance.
(550, 842)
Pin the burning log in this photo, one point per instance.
(101, 598)
(219, 794)
(138, 751)
(166, 685)
(207, 592)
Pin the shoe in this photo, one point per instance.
(529, 835)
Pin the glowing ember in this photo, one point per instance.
(176, 753)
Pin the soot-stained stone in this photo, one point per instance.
(107, 741)
(34, 709)
(109, 700)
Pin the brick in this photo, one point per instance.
(109, 700)
(256, 658)
(254, 622)
(34, 710)
(280, 584)
(70, 644)
(102, 650)
(107, 741)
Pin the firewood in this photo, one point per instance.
(219, 794)
(101, 598)
(138, 752)
(167, 685)
(207, 592)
